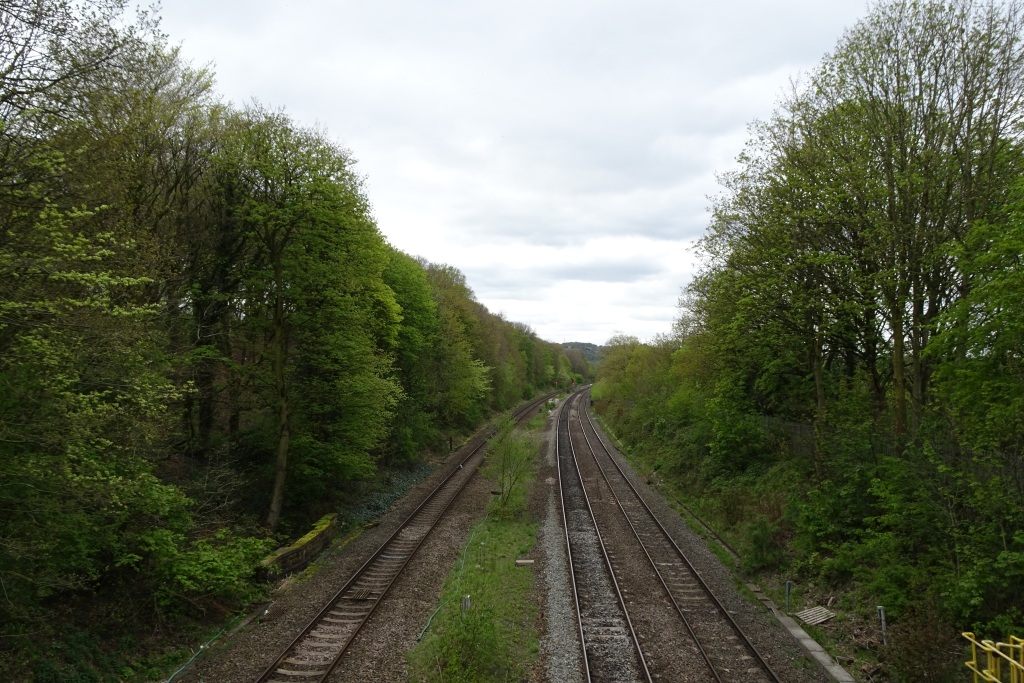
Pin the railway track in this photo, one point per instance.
(610, 647)
(727, 654)
(318, 649)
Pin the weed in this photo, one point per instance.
(495, 637)
(510, 463)
(723, 555)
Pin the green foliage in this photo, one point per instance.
(510, 458)
(414, 426)
(471, 650)
(843, 393)
(200, 326)
(763, 548)
(982, 335)
(496, 638)
(221, 567)
(738, 438)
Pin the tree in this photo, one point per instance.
(414, 426)
(867, 248)
(979, 340)
(850, 197)
(461, 379)
(84, 400)
(940, 90)
(313, 293)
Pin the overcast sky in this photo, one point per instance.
(560, 153)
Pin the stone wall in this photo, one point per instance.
(298, 555)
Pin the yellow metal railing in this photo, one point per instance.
(1002, 662)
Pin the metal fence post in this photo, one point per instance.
(881, 616)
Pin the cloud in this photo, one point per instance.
(556, 151)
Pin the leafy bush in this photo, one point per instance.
(764, 548)
(509, 462)
(470, 650)
(221, 567)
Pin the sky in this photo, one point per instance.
(560, 153)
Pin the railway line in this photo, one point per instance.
(320, 646)
(643, 613)
(609, 643)
(684, 633)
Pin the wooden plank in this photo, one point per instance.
(815, 615)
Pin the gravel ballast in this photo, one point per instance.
(378, 653)
(380, 648)
(787, 657)
(559, 643)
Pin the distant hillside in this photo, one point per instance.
(592, 352)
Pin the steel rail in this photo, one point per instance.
(568, 545)
(566, 409)
(707, 527)
(682, 556)
(651, 560)
(405, 541)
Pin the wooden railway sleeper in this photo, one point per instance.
(305, 661)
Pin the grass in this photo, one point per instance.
(538, 420)
(723, 555)
(494, 638)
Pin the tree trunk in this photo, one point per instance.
(899, 386)
(207, 391)
(819, 392)
(280, 385)
(917, 370)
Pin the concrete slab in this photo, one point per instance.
(831, 667)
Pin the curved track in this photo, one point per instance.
(610, 647)
(318, 649)
(727, 654)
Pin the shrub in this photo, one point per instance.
(763, 548)
(220, 567)
(509, 462)
(924, 647)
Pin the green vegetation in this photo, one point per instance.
(842, 395)
(495, 639)
(205, 342)
(591, 353)
(510, 461)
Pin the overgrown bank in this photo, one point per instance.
(205, 343)
(842, 394)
